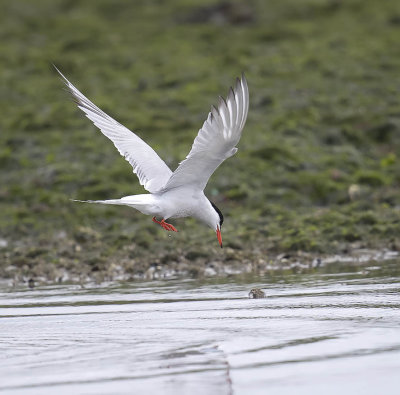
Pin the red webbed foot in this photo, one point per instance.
(165, 225)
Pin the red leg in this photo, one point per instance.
(168, 226)
(165, 225)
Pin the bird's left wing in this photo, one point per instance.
(151, 170)
(216, 140)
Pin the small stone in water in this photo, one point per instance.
(256, 293)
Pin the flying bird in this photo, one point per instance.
(180, 193)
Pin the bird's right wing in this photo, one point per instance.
(151, 170)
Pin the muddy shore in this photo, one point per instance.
(36, 269)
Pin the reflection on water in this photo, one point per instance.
(316, 333)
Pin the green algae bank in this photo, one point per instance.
(330, 333)
(317, 172)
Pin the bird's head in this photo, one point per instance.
(216, 222)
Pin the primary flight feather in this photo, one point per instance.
(179, 193)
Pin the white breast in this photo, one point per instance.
(183, 202)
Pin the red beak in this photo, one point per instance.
(219, 236)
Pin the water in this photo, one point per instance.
(314, 333)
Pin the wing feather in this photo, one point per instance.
(150, 169)
(216, 140)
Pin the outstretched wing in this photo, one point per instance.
(151, 170)
(215, 141)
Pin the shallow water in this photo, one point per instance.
(314, 333)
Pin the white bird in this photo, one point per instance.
(180, 193)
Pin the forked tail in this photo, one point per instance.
(146, 203)
(111, 201)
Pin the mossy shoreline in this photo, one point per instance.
(76, 266)
(317, 172)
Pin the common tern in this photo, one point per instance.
(180, 193)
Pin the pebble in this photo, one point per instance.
(256, 293)
(3, 243)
